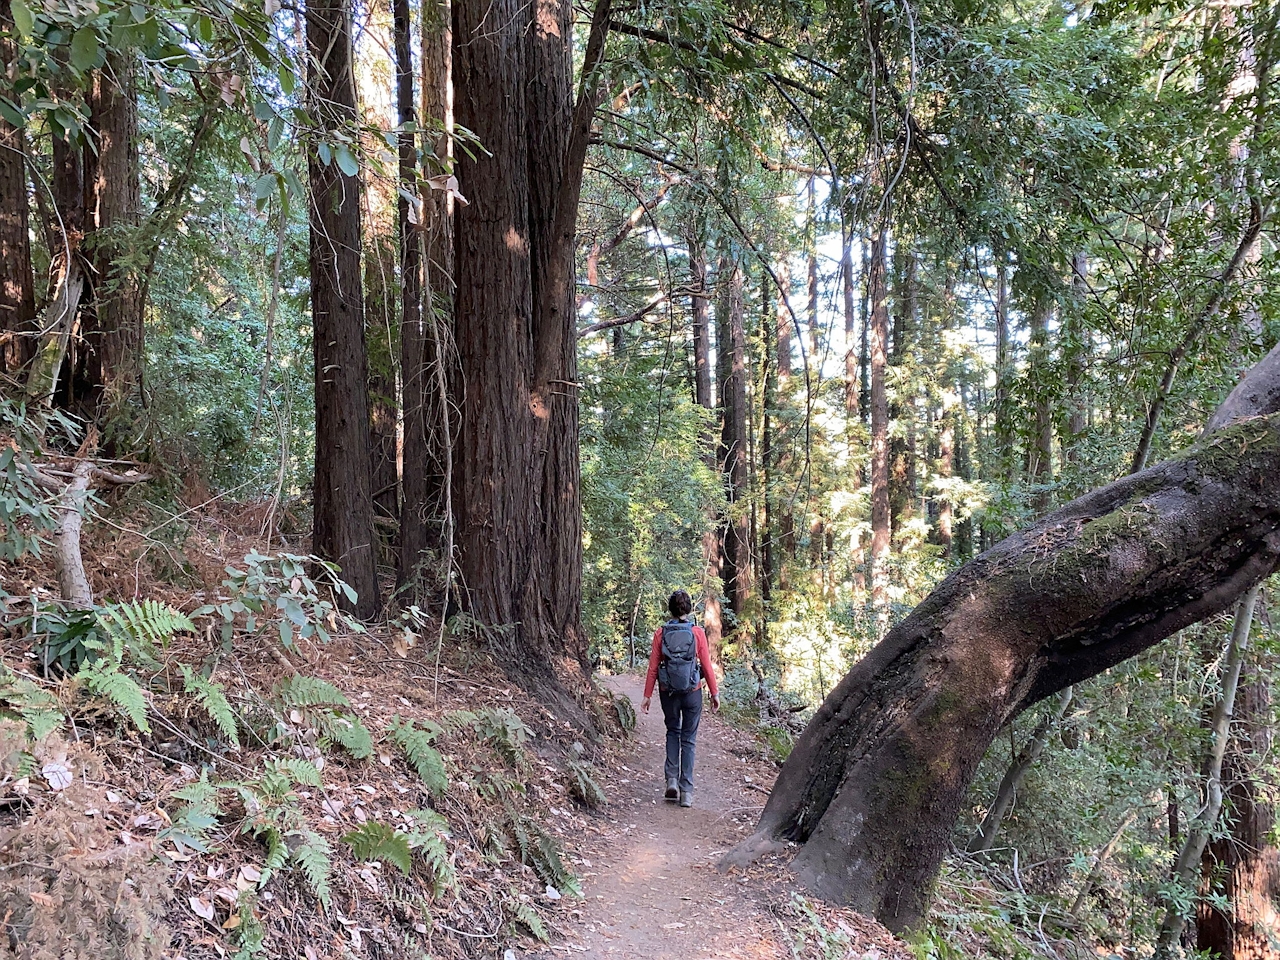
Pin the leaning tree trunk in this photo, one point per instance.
(875, 783)
(516, 495)
(343, 507)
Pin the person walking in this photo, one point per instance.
(679, 662)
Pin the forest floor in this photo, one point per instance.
(650, 882)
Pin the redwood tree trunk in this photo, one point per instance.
(733, 441)
(878, 346)
(113, 334)
(17, 284)
(343, 506)
(875, 783)
(1244, 866)
(516, 494)
(711, 618)
(1040, 454)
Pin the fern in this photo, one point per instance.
(104, 678)
(422, 756)
(456, 721)
(539, 850)
(428, 838)
(277, 853)
(191, 826)
(311, 853)
(626, 712)
(583, 787)
(140, 626)
(506, 731)
(347, 731)
(211, 697)
(525, 915)
(300, 691)
(295, 771)
(377, 841)
(25, 701)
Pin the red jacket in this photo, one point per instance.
(704, 659)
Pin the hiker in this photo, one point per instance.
(679, 650)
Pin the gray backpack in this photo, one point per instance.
(678, 670)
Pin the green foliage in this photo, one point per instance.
(213, 700)
(35, 707)
(524, 913)
(427, 837)
(26, 508)
(320, 702)
(505, 731)
(418, 749)
(277, 594)
(583, 786)
(539, 850)
(200, 813)
(377, 841)
(250, 934)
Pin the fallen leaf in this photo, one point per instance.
(57, 774)
(201, 908)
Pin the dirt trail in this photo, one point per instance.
(650, 885)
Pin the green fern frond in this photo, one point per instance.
(626, 712)
(583, 786)
(346, 731)
(295, 771)
(377, 841)
(213, 701)
(525, 915)
(299, 691)
(25, 701)
(422, 756)
(539, 850)
(506, 731)
(140, 625)
(428, 838)
(105, 679)
(456, 721)
(199, 815)
(311, 853)
(277, 853)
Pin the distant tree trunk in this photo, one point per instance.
(712, 622)
(984, 838)
(902, 454)
(879, 336)
(1244, 866)
(381, 326)
(342, 529)
(784, 519)
(517, 491)
(112, 328)
(1040, 454)
(1076, 348)
(1004, 367)
(850, 340)
(947, 433)
(733, 439)
(417, 381)
(17, 283)
(875, 783)
(1200, 829)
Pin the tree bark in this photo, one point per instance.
(516, 496)
(875, 783)
(880, 510)
(342, 529)
(733, 441)
(17, 282)
(1004, 367)
(712, 620)
(1040, 455)
(112, 326)
(1244, 866)
(1199, 830)
(850, 340)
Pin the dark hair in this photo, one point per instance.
(679, 604)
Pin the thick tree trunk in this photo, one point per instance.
(17, 283)
(880, 512)
(343, 506)
(112, 328)
(902, 453)
(516, 496)
(382, 348)
(875, 783)
(1244, 866)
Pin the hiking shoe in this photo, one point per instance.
(686, 799)
(673, 789)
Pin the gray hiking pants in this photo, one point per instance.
(681, 711)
